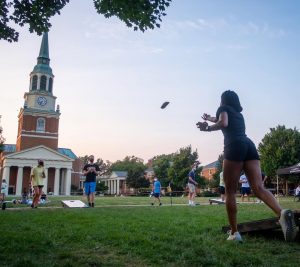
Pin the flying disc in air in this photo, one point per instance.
(164, 105)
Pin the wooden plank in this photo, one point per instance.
(261, 225)
(215, 200)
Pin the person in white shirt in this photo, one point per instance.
(297, 192)
(4, 189)
(245, 190)
(222, 187)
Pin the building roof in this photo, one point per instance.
(9, 148)
(212, 165)
(121, 173)
(67, 152)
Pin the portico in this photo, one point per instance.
(17, 167)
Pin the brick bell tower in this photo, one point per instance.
(38, 120)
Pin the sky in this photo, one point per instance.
(110, 81)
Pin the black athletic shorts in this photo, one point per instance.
(241, 150)
(222, 190)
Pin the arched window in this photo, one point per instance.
(40, 125)
(50, 85)
(43, 83)
(34, 82)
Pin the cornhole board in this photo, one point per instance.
(73, 204)
(216, 200)
(261, 225)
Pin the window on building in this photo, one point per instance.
(34, 82)
(50, 85)
(40, 125)
(43, 83)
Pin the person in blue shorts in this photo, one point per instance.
(240, 154)
(90, 171)
(156, 189)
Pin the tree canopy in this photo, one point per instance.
(174, 168)
(279, 148)
(135, 171)
(139, 14)
(2, 139)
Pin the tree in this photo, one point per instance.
(180, 167)
(101, 187)
(2, 139)
(279, 148)
(161, 165)
(216, 177)
(135, 171)
(139, 14)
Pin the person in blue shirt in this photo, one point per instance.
(156, 189)
(240, 154)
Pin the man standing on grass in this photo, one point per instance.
(37, 176)
(246, 191)
(192, 183)
(90, 171)
(156, 189)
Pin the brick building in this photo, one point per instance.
(209, 170)
(37, 137)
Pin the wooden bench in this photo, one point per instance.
(261, 225)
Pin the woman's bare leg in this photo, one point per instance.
(253, 173)
(231, 172)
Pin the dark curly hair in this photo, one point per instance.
(230, 98)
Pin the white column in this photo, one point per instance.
(19, 181)
(118, 186)
(6, 174)
(109, 187)
(56, 182)
(68, 182)
(45, 189)
(114, 182)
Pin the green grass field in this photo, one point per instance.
(114, 235)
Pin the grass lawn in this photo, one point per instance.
(112, 235)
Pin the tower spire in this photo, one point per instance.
(43, 60)
(43, 57)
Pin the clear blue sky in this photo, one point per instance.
(110, 81)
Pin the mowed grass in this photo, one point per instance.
(112, 235)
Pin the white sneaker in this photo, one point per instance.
(288, 225)
(234, 237)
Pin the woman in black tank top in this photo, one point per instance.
(240, 155)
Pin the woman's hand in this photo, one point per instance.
(202, 125)
(206, 117)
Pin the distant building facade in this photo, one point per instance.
(37, 137)
(209, 170)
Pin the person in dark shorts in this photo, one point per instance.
(37, 180)
(245, 188)
(156, 189)
(90, 171)
(191, 184)
(240, 154)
